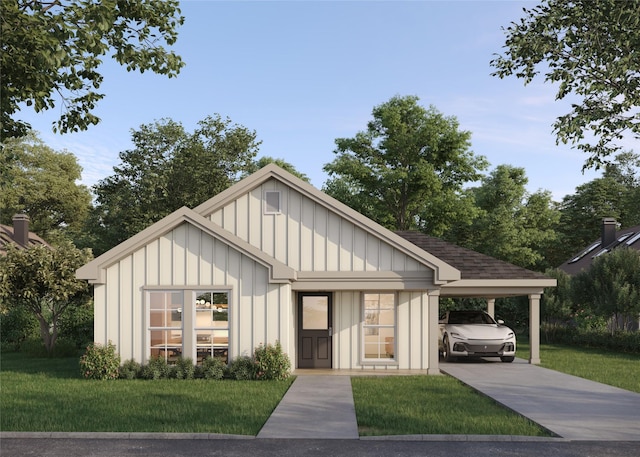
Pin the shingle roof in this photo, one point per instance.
(629, 237)
(472, 264)
(7, 237)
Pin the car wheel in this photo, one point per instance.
(446, 351)
(507, 359)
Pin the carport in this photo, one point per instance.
(482, 276)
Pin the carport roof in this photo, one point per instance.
(471, 264)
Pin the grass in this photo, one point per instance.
(408, 405)
(612, 368)
(49, 395)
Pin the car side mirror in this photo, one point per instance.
(500, 321)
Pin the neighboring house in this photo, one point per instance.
(18, 235)
(610, 239)
(273, 258)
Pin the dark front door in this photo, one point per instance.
(314, 330)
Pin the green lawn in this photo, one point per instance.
(49, 395)
(408, 405)
(615, 369)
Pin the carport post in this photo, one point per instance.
(433, 355)
(534, 328)
(491, 307)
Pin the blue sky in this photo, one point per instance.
(303, 73)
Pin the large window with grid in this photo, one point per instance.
(378, 326)
(212, 324)
(166, 324)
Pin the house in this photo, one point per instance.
(18, 235)
(273, 258)
(610, 239)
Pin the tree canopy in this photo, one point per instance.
(168, 168)
(52, 52)
(591, 49)
(407, 169)
(42, 183)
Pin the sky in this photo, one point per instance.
(303, 73)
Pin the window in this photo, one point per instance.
(378, 326)
(165, 324)
(272, 202)
(212, 325)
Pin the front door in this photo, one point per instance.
(314, 330)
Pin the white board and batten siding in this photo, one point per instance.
(187, 258)
(309, 237)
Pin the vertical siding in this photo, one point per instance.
(307, 236)
(260, 312)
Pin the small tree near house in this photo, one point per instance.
(42, 280)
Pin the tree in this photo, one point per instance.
(513, 225)
(42, 183)
(43, 281)
(53, 49)
(167, 169)
(407, 170)
(592, 49)
(266, 160)
(611, 287)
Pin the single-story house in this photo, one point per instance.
(610, 238)
(19, 235)
(274, 259)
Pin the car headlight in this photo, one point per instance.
(458, 335)
(509, 335)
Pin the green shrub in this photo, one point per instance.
(619, 341)
(130, 369)
(271, 362)
(17, 324)
(243, 368)
(183, 369)
(77, 325)
(34, 347)
(213, 368)
(65, 348)
(156, 368)
(100, 362)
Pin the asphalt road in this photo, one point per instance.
(41, 447)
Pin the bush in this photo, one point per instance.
(77, 325)
(243, 368)
(619, 341)
(100, 362)
(130, 369)
(271, 362)
(34, 347)
(213, 368)
(156, 368)
(183, 369)
(17, 324)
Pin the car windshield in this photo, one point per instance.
(469, 317)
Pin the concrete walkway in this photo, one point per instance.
(571, 407)
(314, 407)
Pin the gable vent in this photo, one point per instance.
(272, 202)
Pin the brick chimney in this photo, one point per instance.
(609, 226)
(21, 229)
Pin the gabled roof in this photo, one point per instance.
(94, 271)
(629, 237)
(443, 272)
(7, 237)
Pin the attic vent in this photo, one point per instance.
(272, 202)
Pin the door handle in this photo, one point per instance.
(330, 331)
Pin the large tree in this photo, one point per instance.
(169, 168)
(43, 183)
(408, 169)
(52, 51)
(591, 49)
(513, 225)
(43, 282)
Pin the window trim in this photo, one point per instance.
(363, 326)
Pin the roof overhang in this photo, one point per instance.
(493, 288)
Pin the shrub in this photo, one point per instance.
(17, 324)
(183, 369)
(213, 368)
(156, 368)
(130, 369)
(243, 368)
(100, 362)
(33, 347)
(271, 362)
(77, 325)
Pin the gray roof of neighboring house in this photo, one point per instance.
(472, 264)
(629, 237)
